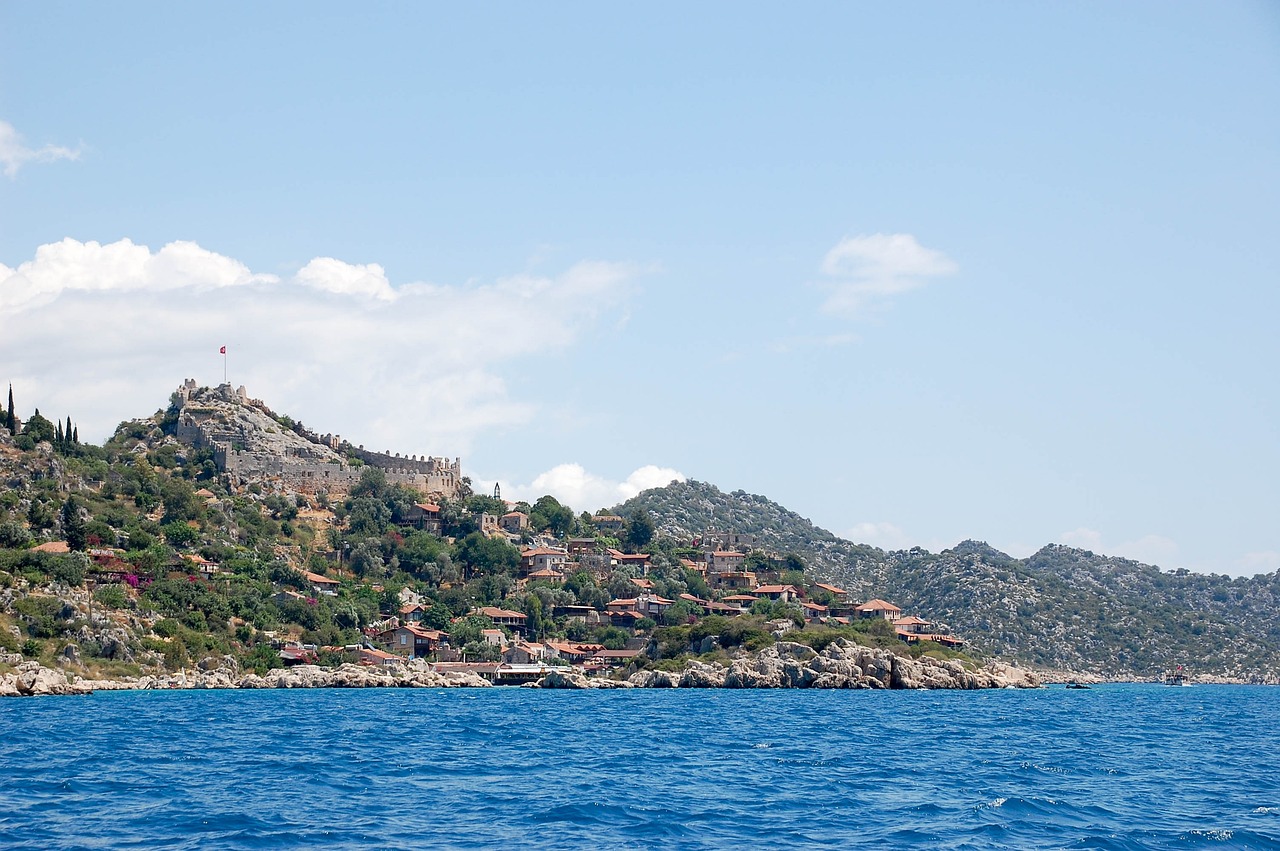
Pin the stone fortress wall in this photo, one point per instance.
(251, 445)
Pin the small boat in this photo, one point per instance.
(1176, 677)
(1077, 685)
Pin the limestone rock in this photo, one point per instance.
(654, 679)
(39, 681)
(702, 675)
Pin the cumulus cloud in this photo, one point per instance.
(14, 154)
(106, 332)
(574, 486)
(1149, 549)
(865, 272)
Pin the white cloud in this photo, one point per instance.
(585, 491)
(334, 276)
(886, 536)
(105, 332)
(14, 154)
(1155, 550)
(865, 272)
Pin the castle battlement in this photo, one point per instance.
(251, 444)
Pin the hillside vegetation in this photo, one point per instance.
(1061, 607)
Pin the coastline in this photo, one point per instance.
(841, 665)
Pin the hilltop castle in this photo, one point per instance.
(252, 444)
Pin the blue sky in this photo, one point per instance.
(921, 274)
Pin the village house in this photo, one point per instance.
(912, 629)
(637, 561)
(573, 653)
(321, 584)
(547, 574)
(732, 581)
(525, 653)
(543, 558)
(514, 522)
(878, 608)
(742, 601)
(729, 541)
(578, 546)
(813, 612)
(202, 565)
(610, 523)
(412, 613)
(911, 625)
(378, 658)
(697, 566)
(412, 641)
(839, 594)
(425, 516)
(725, 561)
(503, 617)
(779, 593)
(647, 605)
(496, 637)
(576, 613)
(57, 547)
(614, 658)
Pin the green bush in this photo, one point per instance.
(113, 596)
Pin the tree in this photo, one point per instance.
(487, 555)
(38, 428)
(536, 621)
(73, 525)
(548, 513)
(11, 419)
(369, 516)
(640, 529)
(366, 559)
(373, 482)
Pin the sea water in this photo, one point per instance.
(1126, 766)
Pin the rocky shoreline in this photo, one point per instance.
(841, 665)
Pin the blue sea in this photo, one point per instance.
(1122, 766)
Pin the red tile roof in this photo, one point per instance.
(878, 605)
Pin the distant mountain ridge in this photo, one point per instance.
(1061, 607)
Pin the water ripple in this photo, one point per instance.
(1117, 767)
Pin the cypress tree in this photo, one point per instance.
(75, 436)
(66, 432)
(12, 420)
(57, 435)
(73, 525)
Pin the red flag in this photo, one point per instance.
(222, 351)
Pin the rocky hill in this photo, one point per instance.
(1061, 607)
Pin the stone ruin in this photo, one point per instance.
(251, 445)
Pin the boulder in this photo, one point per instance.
(702, 675)
(762, 671)
(42, 681)
(566, 678)
(654, 679)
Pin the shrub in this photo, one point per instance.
(113, 596)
